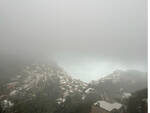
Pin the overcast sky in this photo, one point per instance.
(87, 37)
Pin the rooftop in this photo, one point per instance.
(108, 106)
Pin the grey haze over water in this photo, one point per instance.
(88, 38)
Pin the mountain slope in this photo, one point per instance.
(41, 84)
(47, 88)
(118, 83)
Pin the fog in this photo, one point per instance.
(88, 38)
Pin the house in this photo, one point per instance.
(106, 107)
(12, 85)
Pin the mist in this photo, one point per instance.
(73, 56)
(87, 38)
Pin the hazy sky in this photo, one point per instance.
(88, 37)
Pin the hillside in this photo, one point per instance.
(120, 83)
(47, 88)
